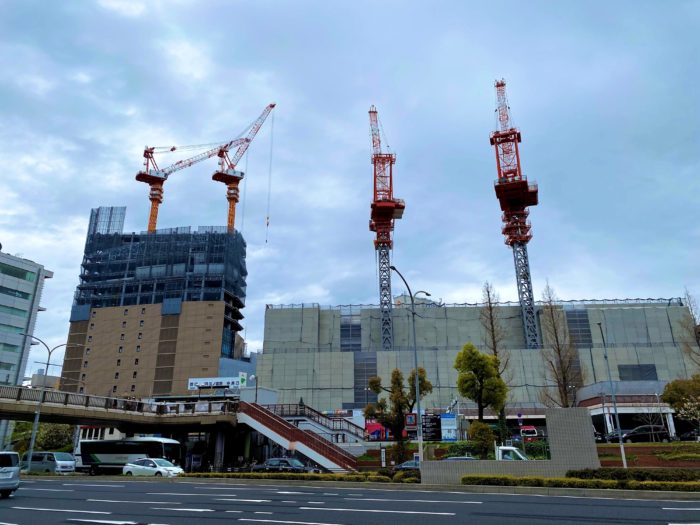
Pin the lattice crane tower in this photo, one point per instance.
(385, 209)
(515, 194)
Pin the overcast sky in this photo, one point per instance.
(605, 94)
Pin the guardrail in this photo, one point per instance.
(337, 424)
(56, 397)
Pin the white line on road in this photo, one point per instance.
(5, 523)
(183, 510)
(183, 494)
(288, 501)
(330, 493)
(289, 522)
(234, 511)
(292, 492)
(244, 500)
(261, 512)
(105, 521)
(91, 485)
(354, 494)
(680, 508)
(135, 501)
(63, 510)
(316, 502)
(48, 490)
(414, 500)
(382, 511)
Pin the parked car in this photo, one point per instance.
(152, 467)
(460, 458)
(9, 473)
(692, 435)
(49, 462)
(599, 438)
(647, 433)
(410, 466)
(283, 465)
(614, 436)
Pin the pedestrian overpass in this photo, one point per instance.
(20, 403)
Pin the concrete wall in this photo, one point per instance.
(571, 442)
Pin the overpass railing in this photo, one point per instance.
(56, 397)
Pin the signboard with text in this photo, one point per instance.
(431, 427)
(448, 427)
(197, 383)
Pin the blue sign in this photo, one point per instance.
(448, 425)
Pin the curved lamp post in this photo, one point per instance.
(255, 377)
(415, 362)
(37, 411)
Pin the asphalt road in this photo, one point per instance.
(79, 500)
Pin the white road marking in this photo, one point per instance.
(5, 523)
(330, 493)
(354, 494)
(48, 490)
(183, 510)
(234, 511)
(680, 508)
(289, 522)
(244, 500)
(261, 512)
(292, 492)
(382, 511)
(412, 500)
(134, 501)
(105, 521)
(63, 510)
(91, 485)
(288, 501)
(182, 494)
(316, 502)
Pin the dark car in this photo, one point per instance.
(647, 434)
(460, 458)
(691, 435)
(282, 465)
(411, 465)
(599, 438)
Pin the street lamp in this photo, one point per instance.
(256, 386)
(415, 363)
(37, 411)
(614, 400)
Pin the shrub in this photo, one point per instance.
(482, 438)
(411, 479)
(460, 448)
(637, 474)
(379, 479)
(402, 475)
(385, 472)
(591, 483)
(537, 449)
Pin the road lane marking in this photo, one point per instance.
(261, 512)
(292, 492)
(5, 523)
(330, 493)
(354, 494)
(244, 500)
(234, 511)
(316, 502)
(680, 508)
(289, 522)
(134, 501)
(63, 510)
(382, 511)
(413, 500)
(183, 510)
(111, 522)
(183, 494)
(48, 490)
(288, 501)
(92, 485)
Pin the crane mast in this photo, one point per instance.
(155, 177)
(227, 172)
(515, 194)
(384, 210)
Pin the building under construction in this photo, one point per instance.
(154, 310)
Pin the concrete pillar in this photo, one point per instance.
(609, 426)
(219, 451)
(246, 446)
(670, 425)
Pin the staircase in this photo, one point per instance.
(274, 427)
(337, 427)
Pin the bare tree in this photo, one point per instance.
(494, 328)
(561, 360)
(690, 326)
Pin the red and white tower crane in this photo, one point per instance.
(515, 194)
(155, 177)
(227, 172)
(385, 209)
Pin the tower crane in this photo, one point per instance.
(155, 176)
(515, 194)
(384, 210)
(227, 172)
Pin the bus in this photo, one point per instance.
(110, 455)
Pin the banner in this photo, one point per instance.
(196, 383)
(448, 425)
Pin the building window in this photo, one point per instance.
(114, 389)
(143, 311)
(123, 324)
(138, 348)
(93, 314)
(89, 339)
(637, 372)
(87, 351)
(121, 338)
(92, 325)
(82, 377)
(136, 362)
(81, 390)
(141, 322)
(133, 376)
(133, 388)
(121, 349)
(119, 362)
(84, 364)
(116, 375)
(126, 311)
(140, 335)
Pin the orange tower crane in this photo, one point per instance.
(515, 194)
(155, 177)
(227, 172)
(385, 209)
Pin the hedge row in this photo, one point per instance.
(636, 474)
(511, 481)
(369, 476)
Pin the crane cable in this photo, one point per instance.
(245, 186)
(269, 177)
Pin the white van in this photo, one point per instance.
(50, 462)
(9, 473)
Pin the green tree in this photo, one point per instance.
(479, 379)
(481, 438)
(683, 395)
(390, 411)
(52, 436)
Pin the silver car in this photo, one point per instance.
(9, 473)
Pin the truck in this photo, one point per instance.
(507, 453)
